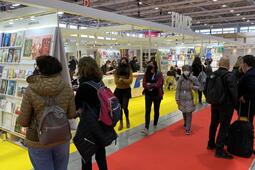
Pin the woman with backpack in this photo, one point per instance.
(45, 86)
(88, 108)
(185, 97)
(123, 78)
(153, 91)
(198, 71)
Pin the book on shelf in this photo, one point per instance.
(1, 55)
(5, 55)
(20, 39)
(11, 73)
(1, 39)
(11, 87)
(21, 90)
(27, 48)
(6, 39)
(16, 55)
(13, 39)
(1, 71)
(3, 86)
(7, 121)
(21, 74)
(5, 73)
(10, 55)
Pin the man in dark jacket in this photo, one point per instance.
(246, 87)
(222, 113)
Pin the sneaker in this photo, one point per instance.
(187, 132)
(145, 132)
(211, 147)
(223, 154)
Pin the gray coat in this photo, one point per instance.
(184, 95)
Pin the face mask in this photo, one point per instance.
(186, 73)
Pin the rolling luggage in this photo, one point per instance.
(240, 137)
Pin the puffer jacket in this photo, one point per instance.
(184, 95)
(33, 104)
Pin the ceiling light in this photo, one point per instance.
(140, 3)
(215, 0)
(84, 36)
(232, 10)
(248, 20)
(238, 14)
(205, 24)
(60, 13)
(91, 36)
(12, 7)
(100, 38)
(169, 12)
(15, 5)
(243, 18)
(73, 35)
(156, 8)
(198, 22)
(252, 23)
(224, 6)
(11, 23)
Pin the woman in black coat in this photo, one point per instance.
(197, 68)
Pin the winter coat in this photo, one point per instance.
(125, 82)
(184, 96)
(158, 85)
(33, 104)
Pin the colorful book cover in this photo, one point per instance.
(11, 87)
(20, 39)
(28, 48)
(16, 55)
(1, 55)
(10, 55)
(21, 90)
(5, 73)
(46, 43)
(22, 74)
(7, 39)
(3, 86)
(11, 73)
(12, 39)
(36, 47)
(5, 55)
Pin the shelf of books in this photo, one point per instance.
(18, 51)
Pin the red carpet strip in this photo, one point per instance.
(171, 149)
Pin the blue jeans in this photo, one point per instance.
(55, 158)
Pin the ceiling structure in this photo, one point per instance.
(204, 13)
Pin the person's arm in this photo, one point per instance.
(159, 82)
(129, 80)
(26, 110)
(232, 87)
(116, 79)
(196, 84)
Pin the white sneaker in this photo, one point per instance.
(145, 132)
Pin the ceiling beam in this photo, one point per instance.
(111, 2)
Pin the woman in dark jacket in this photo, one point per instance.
(197, 68)
(152, 84)
(88, 70)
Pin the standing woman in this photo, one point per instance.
(88, 70)
(46, 83)
(152, 84)
(123, 77)
(197, 68)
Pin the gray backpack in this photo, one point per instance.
(53, 126)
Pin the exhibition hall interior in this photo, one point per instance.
(175, 79)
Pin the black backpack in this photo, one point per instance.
(215, 89)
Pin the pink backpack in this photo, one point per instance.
(110, 109)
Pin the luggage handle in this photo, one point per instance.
(240, 108)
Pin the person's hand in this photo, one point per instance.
(148, 84)
(242, 99)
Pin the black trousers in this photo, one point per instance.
(123, 95)
(200, 93)
(100, 158)
(220, 115)
(148, 103)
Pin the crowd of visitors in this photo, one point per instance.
(49, 98)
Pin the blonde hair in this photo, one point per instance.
(239, 61)
(88, 68)
(224, 62)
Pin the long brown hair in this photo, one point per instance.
(88, 68)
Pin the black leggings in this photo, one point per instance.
(100, 158)
(200, 93)
(123, 95)
(148, 102)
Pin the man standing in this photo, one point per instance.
(222, 113)
(246, 87)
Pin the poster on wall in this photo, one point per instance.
(28, 48)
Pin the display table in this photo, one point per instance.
(136, 86)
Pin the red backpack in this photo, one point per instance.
(110, 109)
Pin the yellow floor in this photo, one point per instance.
(13, 157)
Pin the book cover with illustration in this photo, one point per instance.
(16, 55)
(11, 87)
(5, 55)
(3, 86)
(7, 39)
(28, 48)
(10, 55)
(20, 39)
(11, 73)
(1, 55)
(46, 43)
(5, 73)
(12, 39)
(21, 74)
(21, 90)
(1, 71)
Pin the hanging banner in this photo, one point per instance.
(180, 21)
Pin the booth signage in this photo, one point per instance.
(180, 21)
